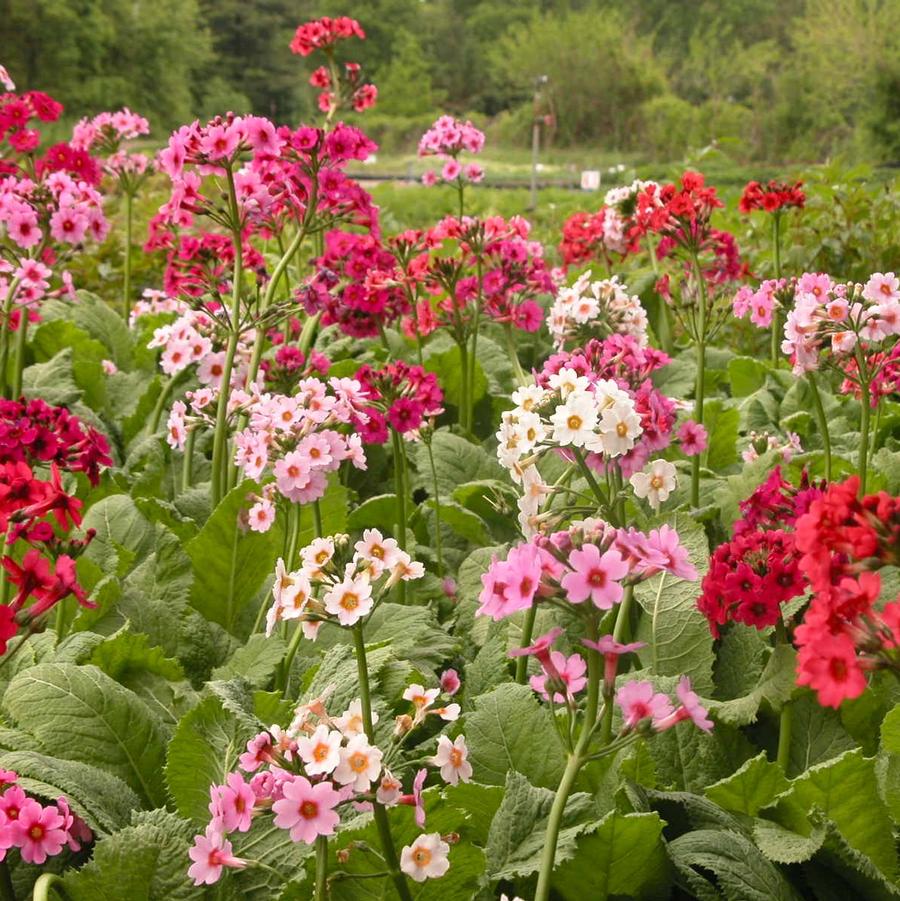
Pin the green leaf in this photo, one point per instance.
(448, 368)
(374, 513)
(754, 786)
(676, 633)
(457, 461)
(98, 319)
(144, 862)
(118, 524)
(230, 565)
(205, 748)
(510, 730)
(845, 791)
(127, 652)
(722, 425)
(745, 375)
(623, 856)
(816, 734)
(464, 522)
(742, 873)
(255, 661)
(775, 686)
(52, 381)
(519, 828)
(102, 800)
(80, 713)
(489, 668)
(784, 845)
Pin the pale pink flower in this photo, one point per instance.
(350, 600)
(307, 810)
(360, 764)
(569, 674)
(261, 515)
(321, 752)
(426, 858)
(452, 758)
(235, 801)
(639, 701)
(595, 576)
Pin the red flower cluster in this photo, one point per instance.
(16, 111)
(324, 33)
(843, 540)
(886, 378)
(402, 396)
(33, 432)
(772, 198)
(749, 578)
(77, 162)
(681, 213)
(582, 238)
(356, 285)
(29, 507)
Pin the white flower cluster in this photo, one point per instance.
(323, 590)
(620, 203)
(596, 309)
(571, 413)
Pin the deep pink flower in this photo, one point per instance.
(639, 701)
(595, 576)
(38, 831)
(306, 809)
(211, 852)
(568, 673)
(693, 438)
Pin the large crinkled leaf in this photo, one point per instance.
(456, 461)
(52, 381)
(101, 799)
(98, 319)
(722, 425)
(204, 749)
(144, 862)
(622, 856)
(754, 786)
(448, 367)
(230, 564)
(510, 730)
(845, 791)
(676, 633)
(519, 828)
(118, 524)
(775, 686)
(255, 661)
(489, 668)
(741, 871)
(784, 845)
(80, 713)
(817, 735)
(413, 632)
(688, 759)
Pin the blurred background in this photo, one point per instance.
(771, 81)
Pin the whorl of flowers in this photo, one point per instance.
(355, 286)
(449, 258)
(680, 212)
(622, 359)
(447, 139)
(886, 379)
(399, 395)
(834, 318)
(337, 89)
(844, 540)
(591, 561)
(339, 583)
(761, 442)
(106, 131)
(596, 309)
(295, 440)
(319, 768)
(39, 831)
(153, 303)
(762, 302)
(772, 197)
(35, 433)
(38, 221)
(16, 112)
(751, 576)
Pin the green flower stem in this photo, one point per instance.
(473, 358)
(126, 258)
(5, 333)
(220, 439)
(308, 333)
(187, 460)
(437, 507)
(620, 630)
(400, 488)
(700, 389)
(576, 760)
(518, 372)
(785, 718)
(822, 421)
(527, 632)
(19, 359)
(386, 840)
(164, 395)
(321, 867)
(602, 499)
(864, 420)
(7, 892)
(776, 325)
(464, 386)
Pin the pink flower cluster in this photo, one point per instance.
(830, 316)
(401, 396)
(107, 131)
(307, 775)
(38, 831)
(337, 586)
(447, 139)
(590, 561)
(324, 33)
(760, 304)
(643, 707)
